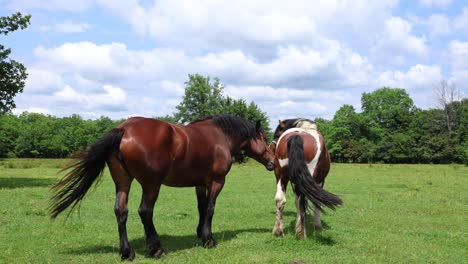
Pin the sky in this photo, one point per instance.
(295, 58)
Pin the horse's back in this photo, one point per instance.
(147, 146)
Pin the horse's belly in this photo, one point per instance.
(184, 178)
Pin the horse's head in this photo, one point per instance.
(257, 148)
(278, 132)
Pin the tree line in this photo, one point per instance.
(390, 128)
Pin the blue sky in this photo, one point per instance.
(292, 58)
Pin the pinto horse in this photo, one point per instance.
(154, 153)
(301, 157)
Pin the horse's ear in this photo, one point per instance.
(258, 125)
(279, 121)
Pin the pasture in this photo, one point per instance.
(391, 214)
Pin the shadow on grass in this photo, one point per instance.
(13, 183)
(169, 243)
(316, 235)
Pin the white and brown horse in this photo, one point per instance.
(302, 158)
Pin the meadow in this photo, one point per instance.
(391, 214)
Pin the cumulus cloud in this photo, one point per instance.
(397, 37)
(292, 58)
(41, 81)
(417, 77)
(419, 81)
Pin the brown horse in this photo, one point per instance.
(154, 153)
(302, 158)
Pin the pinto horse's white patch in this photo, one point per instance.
(310, 129)
(283, 162)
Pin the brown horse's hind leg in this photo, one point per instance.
(121, 212)
(153, 243)
(202, 199)
(122, 186)
(206, 234)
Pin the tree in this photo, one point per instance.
(204, 98)
(389, 108)
(201, 98)
(12, 73)
(446, 94)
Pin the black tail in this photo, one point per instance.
(302, 182)
(87, 167)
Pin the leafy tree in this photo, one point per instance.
(201, 98)
(9, 130)
(389, 108)
(347, 130)
(12, 73)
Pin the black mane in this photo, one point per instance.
(233, 126)
(290, 123)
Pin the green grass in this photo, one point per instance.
(392, 214)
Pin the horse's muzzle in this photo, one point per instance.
(270, 166)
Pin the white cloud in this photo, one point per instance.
(72, 27)
(397, 39)
(295, 66)
(39, 110)
(112, 99)
(294, 58)
(66, 27)
(418, 77)
(459, 54)
(419, 81)
(431, 3)
(41, 81)
(439, 25)
(51, 5)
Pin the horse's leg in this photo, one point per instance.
(300, 219)
(280, 199)
(206, 234)
(121, 212)
(148, 199)
(122, 186)
(202, 198)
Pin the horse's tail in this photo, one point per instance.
(85, 169)
(302, 182)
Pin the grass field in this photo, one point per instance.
(392, 214)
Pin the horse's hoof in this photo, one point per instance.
(278, 233)
(301, 236)
(128, 254)
(210, 243)
(318, 228)
(158, 253)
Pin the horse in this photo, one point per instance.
(154, 152)
(302, 158)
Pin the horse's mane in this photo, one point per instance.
(232, 125)
(297, 122)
